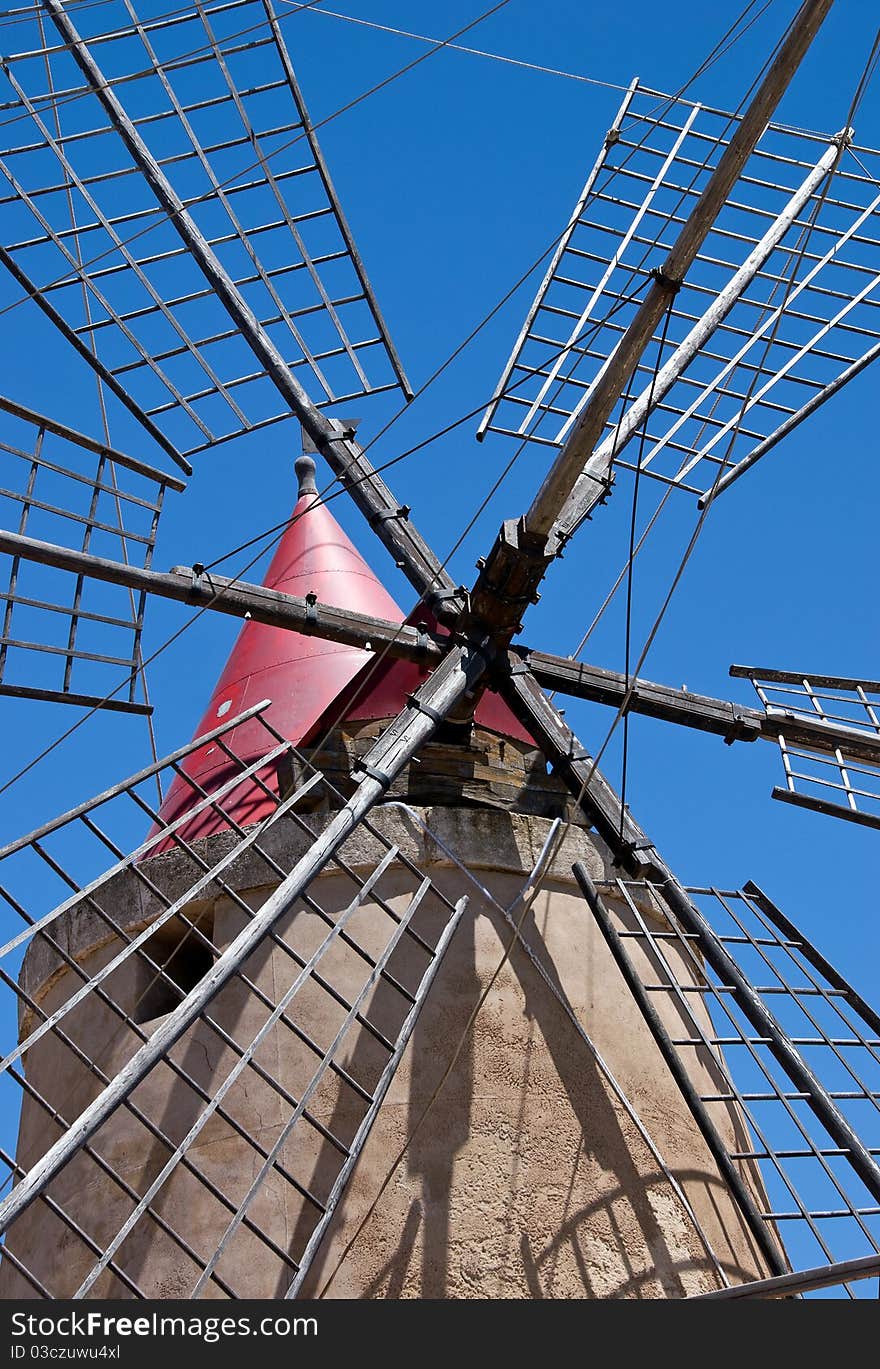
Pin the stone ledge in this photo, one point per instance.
(483, 839)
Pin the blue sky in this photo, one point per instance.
(455, 178)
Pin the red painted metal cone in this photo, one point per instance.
(301, 675)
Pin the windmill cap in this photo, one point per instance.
(305, 474)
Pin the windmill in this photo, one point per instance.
(241, 1041)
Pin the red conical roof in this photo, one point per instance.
(301, 675)
(313, 684)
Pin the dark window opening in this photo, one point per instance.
(178, 950)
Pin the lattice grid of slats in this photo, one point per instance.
(838, 782)
(255, 1118)
(812, 1198)
(212, 93)
(66, 637)
(806, 322)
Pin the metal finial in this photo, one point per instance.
(305, 474)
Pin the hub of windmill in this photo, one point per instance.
(508, 582)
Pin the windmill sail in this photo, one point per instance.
(779, 311)
(187, 142)
(842, 781)
(822, 1199)
(66, 637)
(290, 1061)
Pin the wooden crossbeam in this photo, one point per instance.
(201, 588)
(402, 641)
(732, 721)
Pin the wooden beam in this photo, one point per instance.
(400, 641)
(831, 810)
(734, 722)
(76, 342)
(771, 675)
(804, 1281)
(722, 717)
(189, 585)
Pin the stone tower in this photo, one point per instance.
(527, 1171)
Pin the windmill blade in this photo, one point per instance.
(830, 742)
(65, 637)
(289, 1061)
(773, 1031)
(245, 940)
(843, 780)
(747, 357)
(195, 250)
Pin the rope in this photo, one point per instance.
(472, 52)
